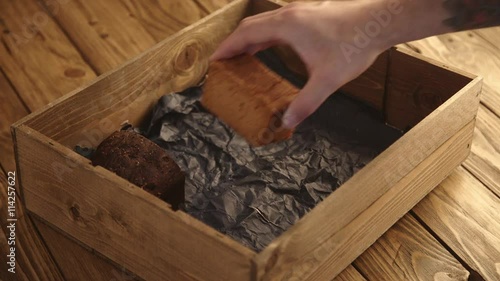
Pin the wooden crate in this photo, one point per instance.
(138, 231)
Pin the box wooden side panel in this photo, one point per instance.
(89, 114)
(75, 261)
(332, 253)
(119, 220)
(368, 185)
(416, 86)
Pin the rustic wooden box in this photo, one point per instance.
(140, 232)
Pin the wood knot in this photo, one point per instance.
(189, 65)
(74, 73)
(187, 58)
(75, 212)
(271, 262)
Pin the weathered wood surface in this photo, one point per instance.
(408, 252)
(77, 263)
(163, 18)
(464, 214)
(92, 26)
(349, 274)
(484, 161)
(36, 56)
(12, 109)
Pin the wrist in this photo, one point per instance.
(399, 21)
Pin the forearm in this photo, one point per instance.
(416, 19)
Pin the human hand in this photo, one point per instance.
(323, 34)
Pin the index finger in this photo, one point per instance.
(252, 33)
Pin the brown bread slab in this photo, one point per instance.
(249, 97)
(143, 163)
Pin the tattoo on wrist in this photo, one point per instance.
(471, 14)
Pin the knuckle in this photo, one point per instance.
(292, 12)
(245, 23)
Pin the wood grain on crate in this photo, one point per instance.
(336, 252)
(409, 100)
(468, 51)
(36, 55)
(78, 263)
(408, 252)
(33, 260)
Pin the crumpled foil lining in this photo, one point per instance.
(255, 194)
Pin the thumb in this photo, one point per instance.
(309, 99)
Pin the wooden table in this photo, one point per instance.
(50, 47)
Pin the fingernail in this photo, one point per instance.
(289, 121)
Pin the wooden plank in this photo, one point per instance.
(468, 51)
(12, 110)
(328, 252)
(36, 56)
(484, 161)
(165, 17)
(210, 6)
(34, 262)
(408, 252)
(416, 89)
(489, 98)
(349, 274)
(105, 31)
(77, 262)
(490, 35)
(464, 214)
(120, 220)
(89, 115)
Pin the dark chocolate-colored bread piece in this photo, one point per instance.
(143, 163)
